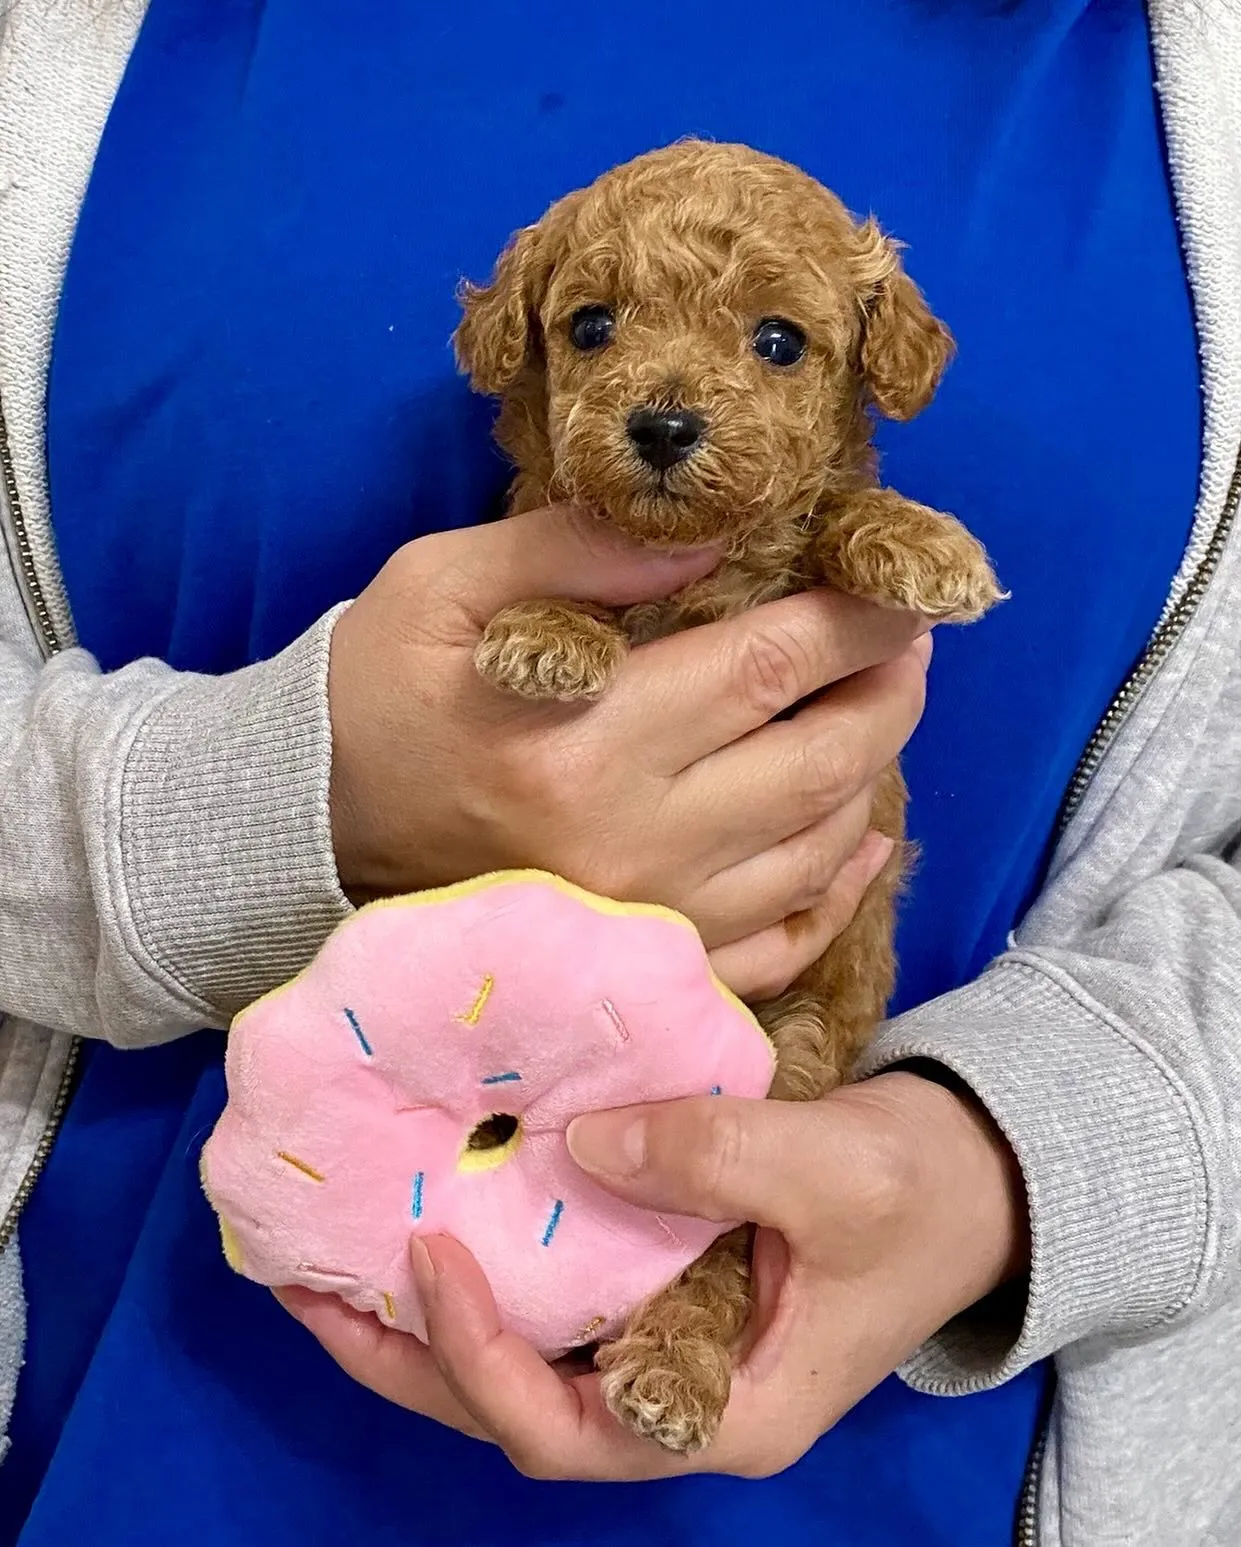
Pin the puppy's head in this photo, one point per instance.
(693, 344)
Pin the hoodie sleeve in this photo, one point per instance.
(1114, 1070)
(165, 840)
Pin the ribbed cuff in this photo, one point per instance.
(1113, 1168)
(226, 837)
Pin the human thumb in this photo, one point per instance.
(715, 1158)
(566, 553)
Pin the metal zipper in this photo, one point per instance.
(49, 639)
(1158, 648)
(51, 643)
(1025, 1528)
(44, 1147)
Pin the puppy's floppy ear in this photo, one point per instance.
(499, 330)
(905, 348)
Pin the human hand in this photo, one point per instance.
(673, 789)
(884, 1210)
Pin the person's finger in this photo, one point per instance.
(548, 1426)
(555, 1427)
(561, 552)
(394, 1365)
(712, 1157)
(787, 777)
(787, 879)
(763, 965)
(706, 687)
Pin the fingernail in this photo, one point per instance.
(608, 1143)
(423, 1266)
(878, 850)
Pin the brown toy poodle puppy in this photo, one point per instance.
(695, 347)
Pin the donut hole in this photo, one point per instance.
(491, 1142)
(494, 1132)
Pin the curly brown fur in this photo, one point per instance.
(669, 1376)
(558, 650)
(690, 248)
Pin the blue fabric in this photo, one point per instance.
(253, 402)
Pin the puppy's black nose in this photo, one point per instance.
(662, 437)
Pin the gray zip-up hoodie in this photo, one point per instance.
(165, 856)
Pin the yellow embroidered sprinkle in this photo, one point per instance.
(389, 1306)
(589, 1330)
(474, 1014)
(299, 1165)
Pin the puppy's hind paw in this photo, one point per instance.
(551, 651)
(674, 1396)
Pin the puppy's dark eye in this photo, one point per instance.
(779, 342)
(592, 327)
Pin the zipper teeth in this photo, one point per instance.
(44, 1147)
(51, 646)
(1025, 1528)
(1026, 1533)
(25, 554)
(1158, 648)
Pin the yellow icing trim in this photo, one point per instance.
(231, 1245)
(496, 878)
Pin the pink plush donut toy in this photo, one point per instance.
(419, 1075)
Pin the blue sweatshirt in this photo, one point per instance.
(253, 402)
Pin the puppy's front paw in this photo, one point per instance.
(901, 554)
(672, 1391)
(551, 650)
(956, 584)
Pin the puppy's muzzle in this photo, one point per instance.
(662, 437)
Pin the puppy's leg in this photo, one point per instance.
(551, 650)
(667, 1377)
(877, 544)
(823, 1023)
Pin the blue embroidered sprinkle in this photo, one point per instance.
(358, 1033)
(500, 1079)
(553, 1222)
(715, 1090)
(417, 1201)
